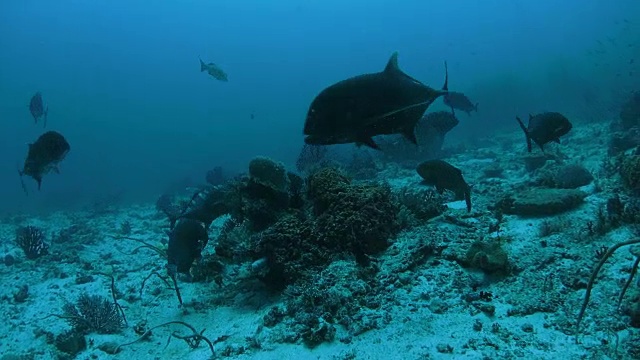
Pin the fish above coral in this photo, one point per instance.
(44, 156)
(37, 108)
(361, 107)
(213, 70)
(445, 176)
(545, 128)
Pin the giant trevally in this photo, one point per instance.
(213, 70)
(44, 156)
(37, 109)
(356, 109)
(545, 128)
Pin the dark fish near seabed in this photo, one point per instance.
(213, 70)
(44, 156)
(37, 109)
(356, 109)
(443, 176)
(186, 241)
(545, 128)
(460, 101)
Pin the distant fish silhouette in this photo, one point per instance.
(37, 109)
(213, 70)
(460, 101)
(357, 109)
(44, 156)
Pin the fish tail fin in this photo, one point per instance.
(203, 66)
(46, 113)
(445, 87)
(467, 197)
(526, 133)
(21, 173)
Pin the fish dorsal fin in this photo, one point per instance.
(392, 65)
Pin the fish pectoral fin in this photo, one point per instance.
(526, 133)
(368, 141)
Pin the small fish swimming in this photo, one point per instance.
(445, 176)
(459, 101)
(357, 109)
(213, 70)
(545, 128)
(44, 156)
(37, 109)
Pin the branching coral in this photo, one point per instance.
(595, 272)
(93, 313)
(361, 220)
(31, 240)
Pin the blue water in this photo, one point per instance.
(122, 78)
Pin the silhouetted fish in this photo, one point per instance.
(431, 131)
(440, 121)
(443, 176)
(44, 156)
(356, 109)
(186, 241)
(213, 70)
(460, 101)
(545, 128)
(37, 109)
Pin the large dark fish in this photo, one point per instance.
(431, 131)
(545, 128)
(440, 122)
(443, 176)
(460, 101)
(186, 241)
(37, 109)
(44, 156)
(213, 70)
(356, 109)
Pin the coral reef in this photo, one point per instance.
(31, 240)
(488, 256)
(568, 176)
(541, 202)
(92, 313)
(630, 173)
(630, 112)
(268, 174)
